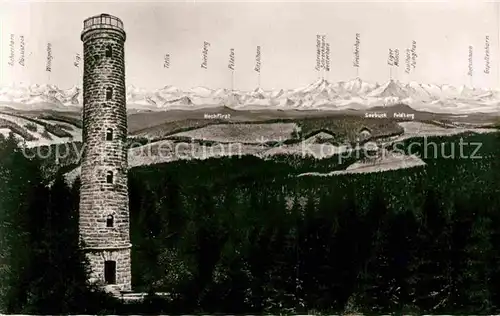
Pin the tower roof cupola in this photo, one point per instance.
(102, 21)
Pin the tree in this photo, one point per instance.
(377, 290)
(21, 193)
(59, 279)
(42, 269)
(472, 256)
(430, 265)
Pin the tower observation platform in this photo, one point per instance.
(102, 22)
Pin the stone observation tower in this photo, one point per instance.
(104, 206)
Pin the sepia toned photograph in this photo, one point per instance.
(278, 158)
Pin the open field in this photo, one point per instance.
(38, 132)
(162, 137)
(157, 125)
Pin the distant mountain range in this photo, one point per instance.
(322, 95)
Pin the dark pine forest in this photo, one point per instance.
(245, 235)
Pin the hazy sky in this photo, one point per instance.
(286, 32)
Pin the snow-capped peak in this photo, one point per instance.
(201, 91)
(390, 89)
(170, 89)
(353, 85)
(320, 94)
(316, 86)
(358, 86)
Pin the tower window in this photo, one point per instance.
(109, 134)
(109, 177)
(109, 93)
(110, 272)
(109, 51)
(110, 221)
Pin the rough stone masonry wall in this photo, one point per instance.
(122, 258)
(99, 199)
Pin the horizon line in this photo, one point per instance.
(472, 86)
